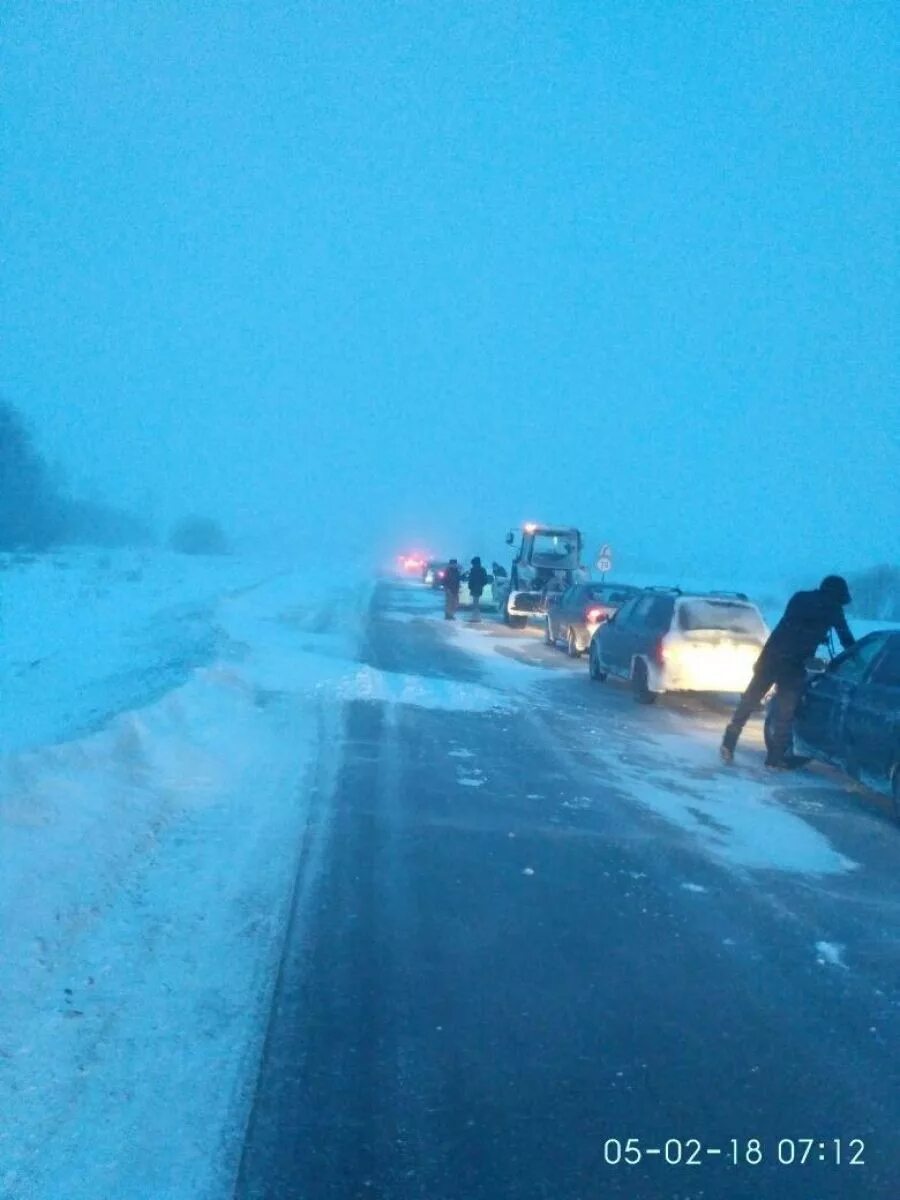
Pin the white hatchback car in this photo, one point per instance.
(665, 640)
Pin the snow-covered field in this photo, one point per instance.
(160, 719)
(85, 634)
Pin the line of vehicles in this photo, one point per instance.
(663, 639)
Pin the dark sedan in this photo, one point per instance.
(574, 615)
(849, 714)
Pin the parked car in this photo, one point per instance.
(666, 640)
(410, 564)
(574, 615)
(433, 575)
(849, 714)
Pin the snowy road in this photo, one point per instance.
(532, 916)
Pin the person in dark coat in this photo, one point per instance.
(808, 620)
(477, 580)
(450, 585)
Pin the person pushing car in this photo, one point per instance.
(808, 620)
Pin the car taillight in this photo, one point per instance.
(659, 652)
(594, 615)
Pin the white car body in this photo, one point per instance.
(668, 641)
(704, 660)
(722, 666)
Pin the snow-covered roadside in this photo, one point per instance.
(146, 878)
(85, 634)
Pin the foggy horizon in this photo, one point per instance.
(331, 275)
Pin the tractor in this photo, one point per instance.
(548, 559)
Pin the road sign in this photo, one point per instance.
(604, 565)
(604, 558)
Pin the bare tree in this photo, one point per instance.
(31, 510)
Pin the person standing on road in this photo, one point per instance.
(477, 579)
(451, 590)
(808, 620)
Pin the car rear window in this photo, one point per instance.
(725, 616)
(609, 595)
(887, 672)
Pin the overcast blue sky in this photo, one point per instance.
(430, 269)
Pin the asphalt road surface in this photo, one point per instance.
(535, 920)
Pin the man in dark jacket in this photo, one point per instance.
(808, 620)
(477, 579)
(451, 590)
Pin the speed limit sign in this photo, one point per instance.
(604, 558)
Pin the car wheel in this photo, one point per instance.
(640, 683)
(596, 671)
(572, 644)
(548, 633)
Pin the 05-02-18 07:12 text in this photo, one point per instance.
(751, 1152)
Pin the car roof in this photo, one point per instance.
(892, 635)
(679, 594)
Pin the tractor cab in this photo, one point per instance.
(548, 558)
(545, 552)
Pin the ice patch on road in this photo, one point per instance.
(506, 670)
(738, 819)
(693, 887)
(417, 595)
(830, 954)
(741, 824)
(423, 691)
(470, 777)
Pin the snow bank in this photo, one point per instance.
(84, 635)
(146, 876)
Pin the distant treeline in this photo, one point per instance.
(36, 513)
(876, 593)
